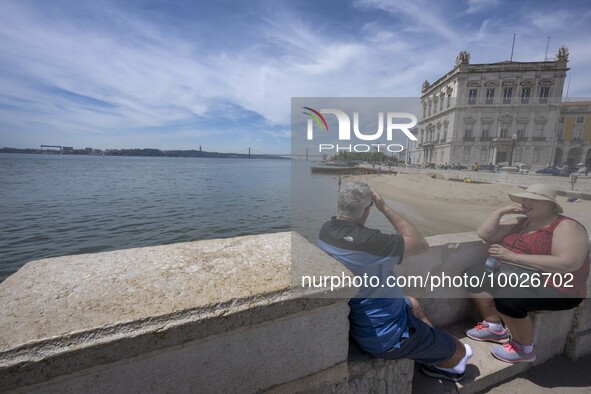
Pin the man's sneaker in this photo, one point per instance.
(483, 332)
(513, 352)
(438, 373)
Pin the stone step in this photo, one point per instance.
(482, 371)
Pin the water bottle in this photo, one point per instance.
(491, 264)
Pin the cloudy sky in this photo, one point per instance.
(182, 73)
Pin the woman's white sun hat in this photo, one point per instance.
(537, 191)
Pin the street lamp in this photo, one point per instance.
(514, 138)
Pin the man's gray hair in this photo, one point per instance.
(354, 198)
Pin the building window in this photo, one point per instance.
(504, 131)
(490, 95)
(472, 96)
(449, 100)
(485, 133)
(507, 93)
(578, 134)
(435, 105)
(466, 155)
(429, 110)
(537, 154)
(539, 130)
(424, 111)
(580, 119)
(483, 155)
(560, 134)
(520, 133)
(518, 155)
(525, 93)
(441, 104)
(445, 132)
(561, 119)
(544, 92)
(468, 132)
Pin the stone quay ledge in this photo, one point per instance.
(225, 315)
(219, 313)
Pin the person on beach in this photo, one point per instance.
(382, 321)
(541, 244)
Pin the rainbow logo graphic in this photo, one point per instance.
(317, 116)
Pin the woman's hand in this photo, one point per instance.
(510, 209)
(502, 253)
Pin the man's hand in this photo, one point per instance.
(378, 200)
(414, 242)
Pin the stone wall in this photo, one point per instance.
(212, 316)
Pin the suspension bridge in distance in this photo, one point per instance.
(300, 156)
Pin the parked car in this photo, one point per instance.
(558, 171)
(569, 170)
(552, 170)
(521, 168)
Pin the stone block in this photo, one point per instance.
(551, 330)
(250, 359)
(579, 345)
(579, 338)
(163, 316)
(373, 375)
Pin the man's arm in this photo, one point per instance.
(414, 242)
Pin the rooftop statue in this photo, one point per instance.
(463, 58)
(562, 54)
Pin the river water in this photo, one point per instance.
(56, 205)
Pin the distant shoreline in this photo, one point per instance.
(144, 153)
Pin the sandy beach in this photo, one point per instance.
(442, 207)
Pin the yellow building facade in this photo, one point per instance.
(573, 134)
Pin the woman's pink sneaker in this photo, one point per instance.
(483, 332)
(513, 352)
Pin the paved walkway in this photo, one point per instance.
(559, 375)
(560, 183)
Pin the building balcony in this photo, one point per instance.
(503, 139)
(486, 138)
(538, 138)
(468, 139)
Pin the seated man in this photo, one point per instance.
(382, 321)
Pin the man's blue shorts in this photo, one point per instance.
(425, 344)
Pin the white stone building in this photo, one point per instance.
(484, 112)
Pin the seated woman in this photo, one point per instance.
(545, 242)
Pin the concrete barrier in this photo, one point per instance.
(218, 316)
(208, 316)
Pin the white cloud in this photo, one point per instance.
(551, 21)
(416, 16)
(477, 6)
(156, 78)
